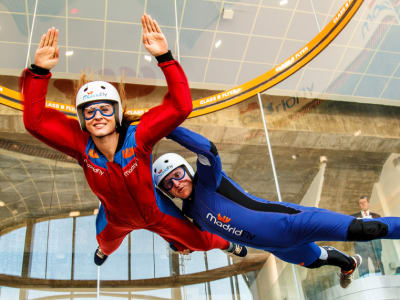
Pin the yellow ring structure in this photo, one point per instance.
(247, 90)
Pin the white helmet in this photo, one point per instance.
(95, 91)
(166, 163)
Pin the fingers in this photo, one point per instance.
(152, 24)
(46, 40)
(144, 24)
(57, 53)
(156, 27)
(50, 38)
(55, 41)
(41, 45)
(149, 25)
(145, 30)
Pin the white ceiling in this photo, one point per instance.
(361, 64)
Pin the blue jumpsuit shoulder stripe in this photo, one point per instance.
(127, 152)
(94, 155)
(230, 191)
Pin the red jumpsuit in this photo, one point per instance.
(125, 186)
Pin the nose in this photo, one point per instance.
(175, 182)
(98, 115)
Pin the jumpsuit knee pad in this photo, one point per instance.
(316, 264)
(366, 231)
(334, 258)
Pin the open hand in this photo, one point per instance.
(153, 39)
(48, 53)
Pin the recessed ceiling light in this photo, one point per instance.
(283, 2)
(69, 53)
(74, 213)
(295, 156)
(2, 203)
(227, 12)
(218, 43)
(148, 58)
(357, 133)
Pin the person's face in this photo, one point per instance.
(363, 204)
(99, 118)
(178, 183)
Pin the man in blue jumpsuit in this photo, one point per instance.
(219, 205)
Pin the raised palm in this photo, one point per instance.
(153, 39)
(48, 53)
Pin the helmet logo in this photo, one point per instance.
(90, 95)
(162, 172)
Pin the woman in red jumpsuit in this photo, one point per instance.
(116, 156)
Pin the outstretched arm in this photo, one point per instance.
(208, 160)
(49, 125)
(177, 104)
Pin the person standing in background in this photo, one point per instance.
(368, 249)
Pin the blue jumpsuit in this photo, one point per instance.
(220, 206)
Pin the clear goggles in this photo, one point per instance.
(105, 108)
(176, 174)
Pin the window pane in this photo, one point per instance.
(39, 241)
(8, 293)
(59, 249)
(217, 259)
(192, 263)
(85, 245)
(221, 289)
(116, 266)
(142, 262)
(162, 262)
(195, 291)
(59, 257)
(12, 252)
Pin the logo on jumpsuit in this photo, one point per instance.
(93, 154)
(223, 219)
(93, 168)
(128, 152)
(132, 167)
(221, 222)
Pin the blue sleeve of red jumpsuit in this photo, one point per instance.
(208, 163)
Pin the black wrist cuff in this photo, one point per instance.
(38, 70)
(165, 57)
